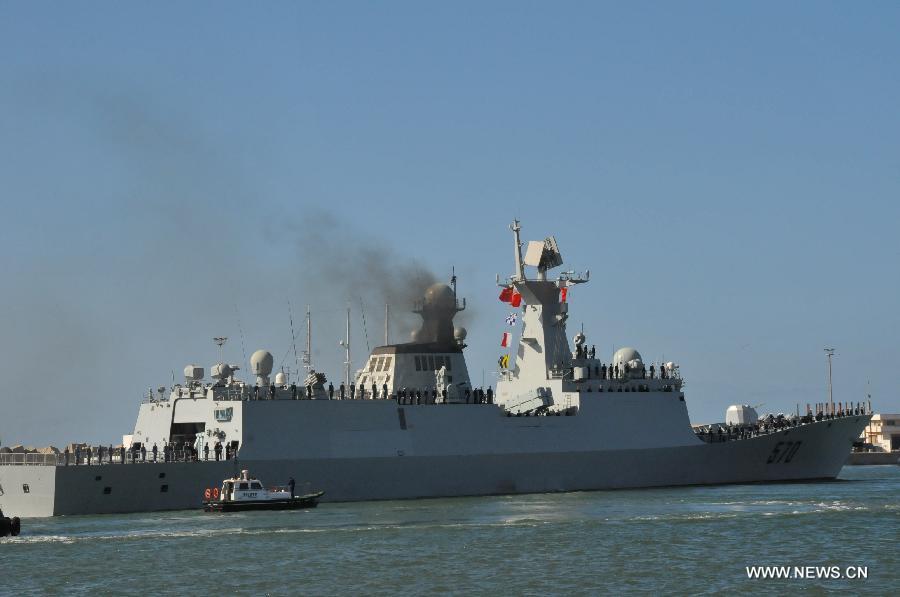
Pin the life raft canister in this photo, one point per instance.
(215, 493)
(207, 493)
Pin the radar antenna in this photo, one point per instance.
(220, 342)
(544, 255)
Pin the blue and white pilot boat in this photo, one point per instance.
(244, 493)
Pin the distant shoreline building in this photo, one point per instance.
(883, 432)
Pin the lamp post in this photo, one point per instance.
(829, 352)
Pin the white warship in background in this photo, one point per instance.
(412, 426)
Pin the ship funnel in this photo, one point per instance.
(438, 307)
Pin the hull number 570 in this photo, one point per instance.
(783, 452)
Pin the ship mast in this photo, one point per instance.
(520, 275)
(307, 354)
(346, 344)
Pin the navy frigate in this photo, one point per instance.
(410, 424)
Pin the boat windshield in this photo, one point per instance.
(256, 485)
(243, 486)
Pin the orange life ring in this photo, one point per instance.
(215, 493)
(207, 493)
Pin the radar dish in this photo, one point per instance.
(543, 255)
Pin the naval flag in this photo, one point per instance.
(563, 294)
(506, 338)
(506, 294)
(516, 299)
(511, 319)
(503, 361)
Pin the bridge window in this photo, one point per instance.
(387, 363)
(418, 363)
(164, 488)
(431, 362)
(243, 486)
(256, 486)
(107, 490)
(26, 488)
(447, 363)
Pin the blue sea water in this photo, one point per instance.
(673, 540)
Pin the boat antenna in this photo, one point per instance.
(293, 336)
(453, 280)
(362, 308)
(387, 320)
(241, 331)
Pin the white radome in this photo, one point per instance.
(626, 355)
(741, 414)
(261, 362)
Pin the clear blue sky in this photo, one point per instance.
(730, 173)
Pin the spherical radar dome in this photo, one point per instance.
(460, 333)
(626, 355)
(261, 362)
(440, 296)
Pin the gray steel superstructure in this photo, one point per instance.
(412, 426)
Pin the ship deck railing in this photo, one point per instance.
(34, 459)
(16, 458)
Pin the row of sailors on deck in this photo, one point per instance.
(472, 395)
(626, 371)
(429, 396)
(171, 452)
(405, 395)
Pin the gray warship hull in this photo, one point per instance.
(423, 461)
(414, 427)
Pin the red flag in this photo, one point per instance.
(506, 338)
(563, 294)
(516, 299)
(506, 294)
